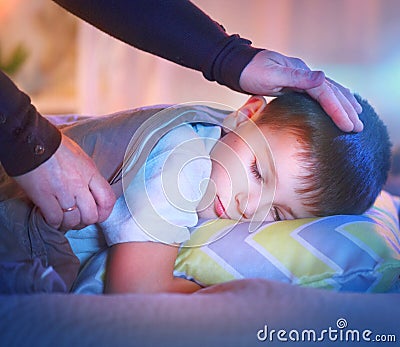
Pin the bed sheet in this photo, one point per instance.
(239, 313)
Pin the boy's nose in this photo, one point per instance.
(250, 207)
(245, 206)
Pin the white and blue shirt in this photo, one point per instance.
(159, 203)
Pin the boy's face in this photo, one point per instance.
(246, 185)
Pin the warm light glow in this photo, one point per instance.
(7, 7)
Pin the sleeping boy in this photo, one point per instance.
(281, 160)
(276, 161)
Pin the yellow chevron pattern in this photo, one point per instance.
(344, 253)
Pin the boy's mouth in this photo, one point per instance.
(219, 208)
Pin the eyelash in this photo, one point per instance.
(255, 171)
(275, 214)
(257, 175)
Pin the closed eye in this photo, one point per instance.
(255, 171)
(275, 213)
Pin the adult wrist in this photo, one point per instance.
(234, 55)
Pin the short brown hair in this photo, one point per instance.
(345, 171)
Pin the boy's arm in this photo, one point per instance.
(144, 267)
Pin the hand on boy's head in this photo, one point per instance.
(271, 73)
(339, 103)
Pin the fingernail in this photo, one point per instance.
(348, 126)
(316, 75)
(359, 126)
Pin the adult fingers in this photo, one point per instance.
(348, 94)
(270, 72)
(51, 211)
(295, 78)
(349, 104)
(71, 217)
(282, 78)
(88, 208)
(94, 204)
(301, 78)
(337, 106)
(353, 101)
(103, 196)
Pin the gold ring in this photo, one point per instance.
(69, 209)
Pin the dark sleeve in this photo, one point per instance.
(173, 29)
(26, 138)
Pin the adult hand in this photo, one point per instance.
(271, 73)
(68, 188)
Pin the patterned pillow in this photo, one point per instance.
(341, 253)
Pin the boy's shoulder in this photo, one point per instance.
(193, 113)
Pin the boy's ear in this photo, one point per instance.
(250, 110)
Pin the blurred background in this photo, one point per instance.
(67, 66)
